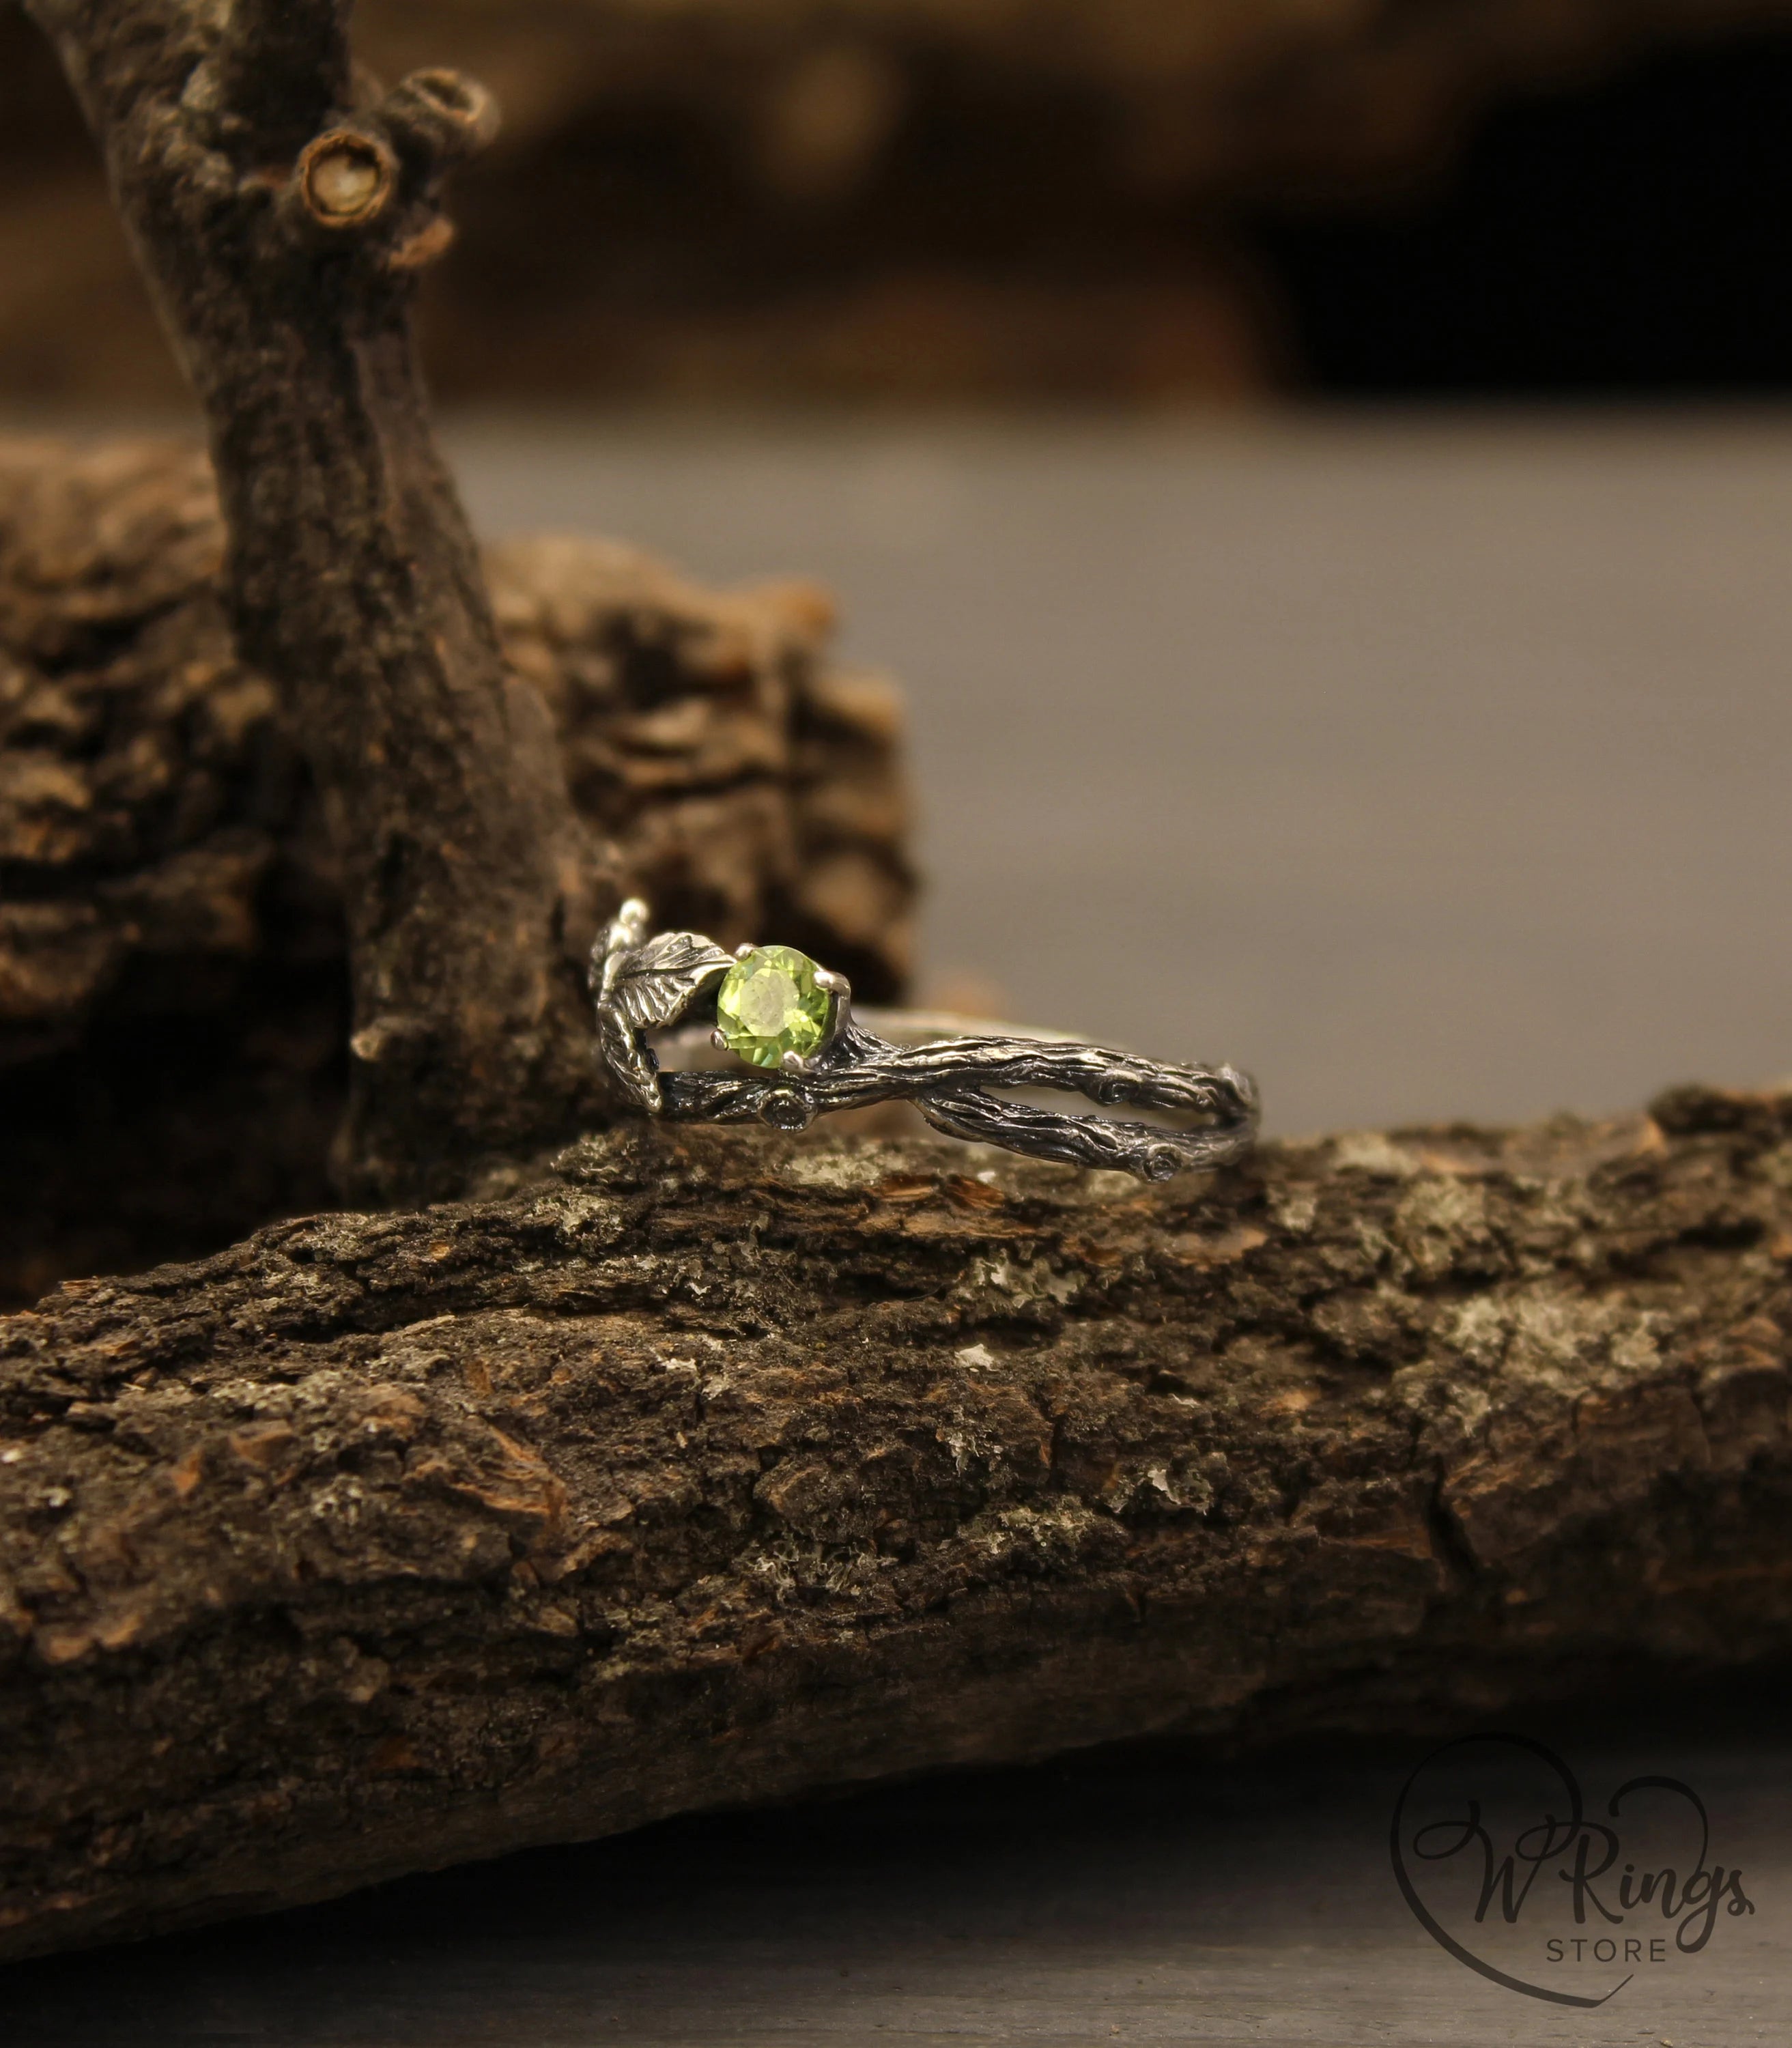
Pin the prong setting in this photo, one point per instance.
(837, 987)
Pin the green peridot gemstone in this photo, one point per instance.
(771, 1004)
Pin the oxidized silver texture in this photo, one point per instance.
(641, 984)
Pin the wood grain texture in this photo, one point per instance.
(719, 1468)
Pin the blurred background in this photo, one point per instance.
(1001, 201)
(1318, 469)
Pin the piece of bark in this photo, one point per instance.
(173, 991)
(714, 1467)
(281, 206)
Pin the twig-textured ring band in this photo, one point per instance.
(790, 1023)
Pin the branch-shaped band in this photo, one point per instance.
(821, 1060)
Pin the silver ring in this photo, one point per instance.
(801, 1053)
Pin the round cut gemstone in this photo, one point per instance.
(771, 1004)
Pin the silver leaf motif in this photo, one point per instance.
(655, 984)
(645, 987)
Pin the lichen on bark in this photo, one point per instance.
(715, 1467)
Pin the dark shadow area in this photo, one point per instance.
(174, 1127)
(1631, 237)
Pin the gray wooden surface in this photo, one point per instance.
(1429, 767)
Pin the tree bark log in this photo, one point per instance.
(282, 208)
(716, 1467)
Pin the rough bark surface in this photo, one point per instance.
(173, 983)
(714, 1468)
(281, 207)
